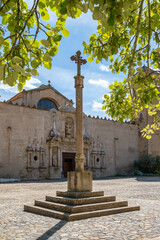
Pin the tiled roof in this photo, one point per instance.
(17, 96)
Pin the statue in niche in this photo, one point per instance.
(69, 128)
(55, 160)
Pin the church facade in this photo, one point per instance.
(38, 138)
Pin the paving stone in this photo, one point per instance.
(142, 225)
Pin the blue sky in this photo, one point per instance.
(97, 76)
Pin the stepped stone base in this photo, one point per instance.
(72, 206)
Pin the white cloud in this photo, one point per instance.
(29, 85)
(32, 83)
(104, 68)
(96, 106)
(100, 82)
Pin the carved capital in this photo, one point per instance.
(79, 81)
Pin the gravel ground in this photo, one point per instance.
(15, 224)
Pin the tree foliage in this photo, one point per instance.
(128, 35)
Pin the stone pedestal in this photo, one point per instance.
(79, 181)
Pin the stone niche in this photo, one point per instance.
(54, 157)
(54, 164)
(98, 161)
(36, 158)
(69, 127)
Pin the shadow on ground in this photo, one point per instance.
(52, 230)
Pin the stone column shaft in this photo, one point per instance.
(79, 159)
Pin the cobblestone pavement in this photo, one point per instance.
(144, 224)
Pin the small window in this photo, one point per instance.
(46, 104)
(35, 158)
(97, 159)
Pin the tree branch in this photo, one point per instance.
(134, 51)
(4, 5)
(45, 26)
(38, 26)
(149, 33)
(30, 15)
(10, 36)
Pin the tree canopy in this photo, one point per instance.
(128, 36)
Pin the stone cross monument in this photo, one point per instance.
(79, 180)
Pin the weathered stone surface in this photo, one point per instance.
(79, 181)
(79, 194)
(80, 201)
(82, 208)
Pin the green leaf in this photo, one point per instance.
(19, 69)
(34, 64)
(90, 59)
(9, 81)
(78, 14)
(34, 72)
(17, 60)
(63, 10)
(45, 42)
(47, 65)
(47, 58)
(14, 75)
(65, 32)
(1, 71)
(111, 19)
(148, 136)
(41, 5)
(1, 40)
(45, 16)
(97, 61)
(20, 87)
(111, 86)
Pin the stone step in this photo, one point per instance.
(100, 213)
(74, 202)
(77, 216)
(46, 212)
(82, 208)
(80, 194)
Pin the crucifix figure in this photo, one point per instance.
(78, 59)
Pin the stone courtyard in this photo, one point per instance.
(15, 224)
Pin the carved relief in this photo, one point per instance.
(35, 153)
(69, 128)
(55, 157)
(98, 155)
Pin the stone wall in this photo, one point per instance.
(17, 125)
(117, 144)
(120, 143)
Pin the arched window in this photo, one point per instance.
(46, 104)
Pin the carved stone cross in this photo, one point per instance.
(78, 59)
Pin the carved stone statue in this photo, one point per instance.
(55, 160)
(69, 128)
